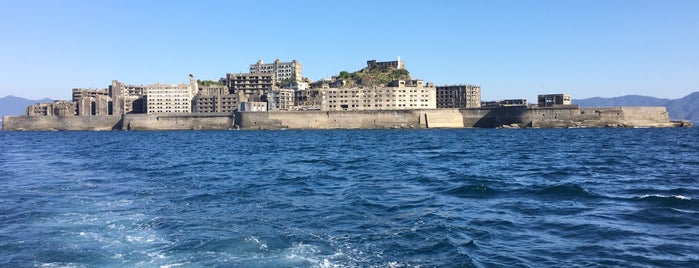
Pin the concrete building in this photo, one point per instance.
(458, 96)
(80, 93)
(309, 99)
(168, 98)
(281, 99)
(373, 64)
(283, 71)
(126, 98)
(550, 100)
(411, 94)
(503, 103)
(214, 99)
(97, 105)
(92, 101)
(514, 102)
(253, 106)
(55, 108)
(249, 87)
(154, 98)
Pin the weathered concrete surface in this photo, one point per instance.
(566, 116)
(95, 122)
(184, 121)
(424, 118)
(512, 116)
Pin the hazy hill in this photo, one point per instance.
(686, 108)
(11, 105)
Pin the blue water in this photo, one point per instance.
(351, 198)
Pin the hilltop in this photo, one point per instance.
(379, 76)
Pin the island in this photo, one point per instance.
(382, 95)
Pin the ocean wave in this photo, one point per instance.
(662, 197)
(564, 190)
(682, 201)
(472, 191)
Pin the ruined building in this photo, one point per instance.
(550, 100)
(282, 71)
(459, 96)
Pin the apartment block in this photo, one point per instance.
(282, 71)
(411, 94)
(214, 99)
(249, 87)
(281, 99)
(458, 96)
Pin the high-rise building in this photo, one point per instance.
(283, 71)
(154, 98)
(249, 87)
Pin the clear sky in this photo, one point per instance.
(512, 49)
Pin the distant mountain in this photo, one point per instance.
(686, 108)
(12, 105)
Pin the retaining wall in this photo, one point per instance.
(185, 121)
(93, 122)
(432, 118)
(521, 116)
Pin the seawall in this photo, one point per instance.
(184, 121)
(423, 118)
(95, 122)
(511, 116)
(566, 116)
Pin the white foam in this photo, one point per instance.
(255, 240)
(58, 264)
(681, 197)
(310, 254)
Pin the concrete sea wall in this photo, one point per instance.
(512, 116)
(424, 118)
(566, 116)
(95, 122)
(185, 121)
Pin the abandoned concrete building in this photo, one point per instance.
(458, 96)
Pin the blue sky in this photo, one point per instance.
(513, 49)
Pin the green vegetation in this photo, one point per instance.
(374, 77)
(207, 83)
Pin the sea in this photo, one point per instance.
(351, 198)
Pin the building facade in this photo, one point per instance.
(92, 101)
(458, 96)
(550, 100)
(214, 99)
(55, 108)
(281, 99)
(508, 102)
(373, 64)
(127, 98)
(168, 98)
(249, 87)
(412, 94)
(154, 98)
(282, 71)
(252, 106)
